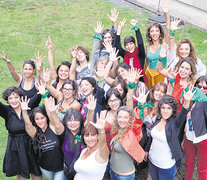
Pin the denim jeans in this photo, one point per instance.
(49, 175)
(162, 174)
(115, 176)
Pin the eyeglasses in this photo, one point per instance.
(204, 87)
(113, 101)
(70, 89)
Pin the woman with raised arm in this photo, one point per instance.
(125, 145)
(195, 140)
(66, 97)
(104, 37)
(45, 140)
(155, 40)
(27, 81)
(62, 73)
(80, 66)
(70, 135)
(165, 151)
(94, 158)
(179, 80)
(89, 89)
(182, 50)
(134, 56)
(18, 160)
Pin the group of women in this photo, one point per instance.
(103, 118)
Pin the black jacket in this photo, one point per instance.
(172, 130)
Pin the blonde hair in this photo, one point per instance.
(116, 128)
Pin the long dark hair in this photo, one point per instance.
(39, 137)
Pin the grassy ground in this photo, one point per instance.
(26, 24)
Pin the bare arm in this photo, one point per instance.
(30, 129)
(73, 53)
(17, 77)
(54, 119)
(51, 59)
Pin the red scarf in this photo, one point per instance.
(136, 63)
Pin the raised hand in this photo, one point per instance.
(163, 51)
(38, 60)
(50, 104)
(101, 120)
(99, 27)
(49, 44)
(24, 103)
(73, 52)
(46, 75)
(134, 75)
(113, 55)
(174, 24)
(142, 95)
(165, 6)
(4, 57)
(91, 103)
(133, 22)
(122, 23)
(114, 15)
(189, 95)
(108, 47)
(40, 87)
(172, 73)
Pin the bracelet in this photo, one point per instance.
(171, 82)
(45, 95)
(131, 85)
(141, 107)
(101, 131)
(171, 32)
(100, 79)
(98, 36)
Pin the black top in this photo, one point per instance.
(52, 155)
(140, 44)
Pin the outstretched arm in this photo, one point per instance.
(51, 59)
(73, 53)
(103, 151)
(17, 77)
(30, 129)
(54, 119)
(114, 17)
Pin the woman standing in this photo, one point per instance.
(45, 141)
(94, 158)
(125, 145)
(18, 160)
(165, 150)
(26, 82)
(195, 141)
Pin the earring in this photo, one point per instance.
(150, 39)
(160, 37)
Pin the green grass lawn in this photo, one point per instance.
(26, 24)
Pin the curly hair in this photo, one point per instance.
(167, 99)
(38, 140)
(192, 54)
(149, 38)
(114, 92)
(116, 128)
(66, 63)
(10, 90)
(92, 81)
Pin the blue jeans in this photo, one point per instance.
(49, 175)
(115, 176)
(162, 174)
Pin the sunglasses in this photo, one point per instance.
(204, 87)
